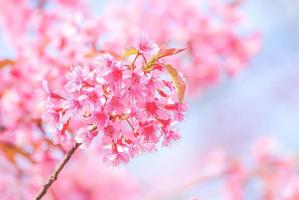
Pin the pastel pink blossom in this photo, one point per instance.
(106, 183)
(210, 32)
(146, 45)
(24, 180)
(79, 77)
(124, 107)
(45, 47)
(268, 166)
(136, 105)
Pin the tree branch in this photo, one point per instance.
(56, 172)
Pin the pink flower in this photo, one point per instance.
(78, 78)
(78, 107)
(60, 137)
(85, 136)
(170, 137)
(128, 105)
(117, 158)
(108, 60)
(114, 105)
(100, 119)
(180, 108)
(149, 130)
(114, 75)
(210, 32)
(146, 45)
(53, 120)
(45, 93)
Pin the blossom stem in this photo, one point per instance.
(144, 59)
(133, 63)
(56, 172)
(130, 124)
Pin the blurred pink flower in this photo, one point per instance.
(215, 48)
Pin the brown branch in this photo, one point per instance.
(56, 172)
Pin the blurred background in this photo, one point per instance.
(262, 101)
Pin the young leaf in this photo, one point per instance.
(178, 81)
(168, 52)
(5, 62)
(11, 151)
(161, 54)
(129, 52)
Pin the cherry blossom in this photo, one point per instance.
(211, 35)
(67, 83)
(268, 167)
(45, 48)
(107, 183)
(267, 172)
(128, 104)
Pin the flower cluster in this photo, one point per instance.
(130, 104)
(211, 33)
(46, 43)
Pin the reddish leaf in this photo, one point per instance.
(178, 81)
(168, 52)
(161, 54)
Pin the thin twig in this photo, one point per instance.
(177, 190)
(130, 124)
(133, 63)
(144, 59)
(56, 172)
